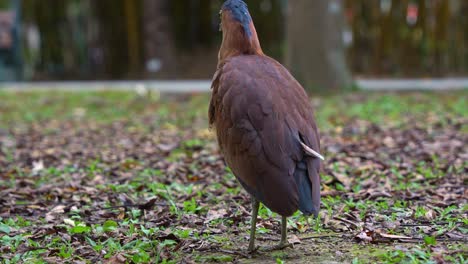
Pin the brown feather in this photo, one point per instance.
(259, 110)
(261, 114)
(235, 40)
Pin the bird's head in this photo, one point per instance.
(236, 13)
(239, 34)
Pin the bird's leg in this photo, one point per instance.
(284, 233)
(284, 242)
(253, 226)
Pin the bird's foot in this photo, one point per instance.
(280, 246)
(252, 249)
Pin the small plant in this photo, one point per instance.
(280, 261)
(191, 206)
(183, 234)
(420, 212)
(430, 241)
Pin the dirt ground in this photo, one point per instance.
(119, 178)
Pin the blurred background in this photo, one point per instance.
(179, 39)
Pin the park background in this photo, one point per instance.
(106, 155)
(179, 39)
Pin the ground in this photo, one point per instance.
(119, 177)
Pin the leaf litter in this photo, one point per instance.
(143, 188)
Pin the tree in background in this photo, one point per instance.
(54, 38)
(120, 39)
(119, 26)
(315, 49)
(50, 21)
(408, 38)
(269, 22)
(159, 50)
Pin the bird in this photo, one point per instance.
(264, 124)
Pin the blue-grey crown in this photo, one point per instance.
(240, 12)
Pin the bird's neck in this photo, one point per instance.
(236, 42)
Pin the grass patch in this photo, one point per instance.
(94, 176)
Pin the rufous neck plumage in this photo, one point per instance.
(238, 39)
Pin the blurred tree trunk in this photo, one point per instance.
(269, 22)
(120, 36)
(110, 15)
(388, 40)
(441, 35)
(456, 32)
(462, 46)
(50, 20)
(158, 41)
(421, 39)
(315, 49)
(133, 35)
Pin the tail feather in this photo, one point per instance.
(313, 168)
(311, 178)
(308, 203)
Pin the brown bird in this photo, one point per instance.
(264, 124)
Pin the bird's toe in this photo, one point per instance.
(280, 246)
(252, 249)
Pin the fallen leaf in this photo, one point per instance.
(117, 259)
(343, 178)
(215, 214)
(430, 215)
(69, 222)
(59, 209)
(38, 166)
(384, 235)
(294, 240)
(365, 236)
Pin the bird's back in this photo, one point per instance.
(261, 114)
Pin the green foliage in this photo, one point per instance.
(4, 228)
(435, 44)
(430, 240)
(4, 4)
(191, 206)
(193, 184)
(280, 261)
(110, 226)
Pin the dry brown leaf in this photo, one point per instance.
(365, 236)
(390, 236)
(430, 215)
(215, 214)
(117, 259)
(293, 239)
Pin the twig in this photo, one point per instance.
(346, 221)
(305, 238)
(456, 252)
(431, 224)
(381, 163)
(324, 236)
(409, 225)
(30, 249)
(238, 253)
(132, 206)
(413, 240)
(268, 239)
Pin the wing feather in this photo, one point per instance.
(261, 114)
